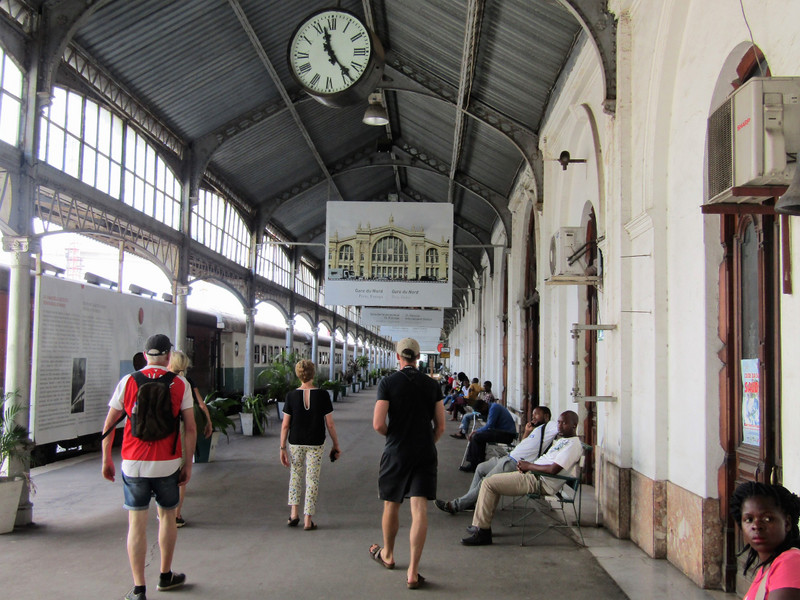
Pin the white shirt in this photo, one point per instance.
(528, 449)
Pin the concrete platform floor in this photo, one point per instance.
(236, 544)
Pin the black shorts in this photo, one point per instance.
(404, 477)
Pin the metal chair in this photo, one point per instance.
(562, 498)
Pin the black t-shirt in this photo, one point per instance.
(412, 398)
(307, 427)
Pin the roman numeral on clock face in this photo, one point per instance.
(315, 80)
(359, 51)
(304, 68)
(357, 36)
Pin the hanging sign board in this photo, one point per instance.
(398, 317)
(751, 414)
(389, 254)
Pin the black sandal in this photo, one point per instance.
(293, 522)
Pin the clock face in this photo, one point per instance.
(330, 51)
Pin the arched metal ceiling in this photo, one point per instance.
(467, 83)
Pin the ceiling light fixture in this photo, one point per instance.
(376, 113)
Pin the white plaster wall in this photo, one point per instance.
(712, 30)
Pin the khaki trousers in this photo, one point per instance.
(502, 484)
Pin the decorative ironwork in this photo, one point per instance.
(72, 214)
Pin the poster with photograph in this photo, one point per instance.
(389, 254)
(84, 339)
(751, 414)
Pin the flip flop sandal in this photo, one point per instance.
(311, 527)
(293, 522)
(414, 585)
(375, 553)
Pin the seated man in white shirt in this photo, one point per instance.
(530, 477)
(538, 436)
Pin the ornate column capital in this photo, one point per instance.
(21, 243)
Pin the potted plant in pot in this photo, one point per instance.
(254, 414)
(334, 387)
(362, 362)
(218, 409)
(14, 448)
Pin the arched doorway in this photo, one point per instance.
(749, 317)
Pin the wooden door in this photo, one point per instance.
(531, 308)
(749, 381)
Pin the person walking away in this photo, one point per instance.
(151, 468)
(306, 413)
(410, 413)
(179, 363)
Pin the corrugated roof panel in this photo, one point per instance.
(182, 59)
(427, 124)
(523, 48)
(489, 157)
(254, 162)
(337, 132)
(428, 34)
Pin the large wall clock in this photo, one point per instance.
(335, 57)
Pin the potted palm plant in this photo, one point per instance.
(279, 378)
(14, 450)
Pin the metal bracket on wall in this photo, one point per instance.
(576, 330)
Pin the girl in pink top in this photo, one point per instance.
(768, 516)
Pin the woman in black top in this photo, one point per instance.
(306, 413)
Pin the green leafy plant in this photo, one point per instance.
(257, 406)
(279, 378)
(218, 410)
(14, 443)
(362, 362)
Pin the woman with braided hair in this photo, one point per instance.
(768, 516)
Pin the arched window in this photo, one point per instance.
(273, 263)
(346, 253)
(306, 283)
(90, 143)
(432, 263)
(10, 99)
(219, 226)
(390, 258)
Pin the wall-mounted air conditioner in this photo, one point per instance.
(564, 247)
(753, 138)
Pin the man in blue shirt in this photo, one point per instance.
(500, 427)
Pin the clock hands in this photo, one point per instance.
(332, 58)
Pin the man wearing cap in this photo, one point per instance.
(151, 468)
(410, 413)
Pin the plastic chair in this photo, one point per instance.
(562, 497)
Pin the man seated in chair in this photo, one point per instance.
(468, 420)
(500, 427)
(538, 436)
(530, 477)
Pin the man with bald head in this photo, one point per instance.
(530, 477)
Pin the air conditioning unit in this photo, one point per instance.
(564, 245)
(752, 139)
